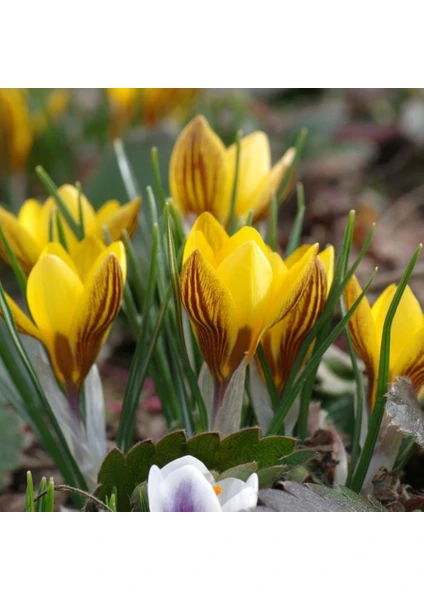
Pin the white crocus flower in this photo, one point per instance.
(186, 485)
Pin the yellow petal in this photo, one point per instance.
(22, 243)
(407, 322)
(296, 255)
(53, 291)
(108, 209)
(271, 185)
(85, 255)
(116, 249)
(30, 216)
(118, 218)
(248, 276)
(213, 234)
(22, 322)
(97, 307)
(254, 165)
(243, 235)
(213, 315)
(327, 259)
(363, 331)
(69, 195)
(197, 241)
(283, 341)
(198, 172)
(289, 284)
(58, 250)
(410, 363)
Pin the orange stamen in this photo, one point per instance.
(217, 489)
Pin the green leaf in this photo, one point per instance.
(51, 187)
(231, 219)
(297, 497)
(106, 181)
(269, 475)
(296, 230)
(11, 442)
(125, 472)
(29, 495)
(49, 505)
(242, 472)
(41, 502)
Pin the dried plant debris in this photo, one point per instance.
(388, 490)
(404, 410)
(297, 497)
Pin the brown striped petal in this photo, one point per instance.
(283, 341)
(212, 313)
(97, 308)
(198, 172)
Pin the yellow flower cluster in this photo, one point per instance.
(236, 290)
(74, 291)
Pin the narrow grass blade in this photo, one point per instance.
(296, 231)
(16, 267)
(137, 376)
(192, 379)
(299, 145)
(51, 187)
(158, 178)
(231, 219)
(273, 224)
(29, 495)
(272, 390)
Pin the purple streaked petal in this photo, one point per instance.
(185, 490)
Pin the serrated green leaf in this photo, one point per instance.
(125, 472)
(242, 472)
(268, 476)
(300, 457)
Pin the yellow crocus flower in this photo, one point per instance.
(28, 233)
(406, 339)
(16, 135)
(234, 289)
(282, 342)
(73, 303)
(202, 173)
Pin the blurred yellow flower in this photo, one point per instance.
(30, 231)
(152, 104)
(73, 304)
(202, 173)
(406, 339)
(282, 342)
(234, 289)
(15, 130)
(57, 102)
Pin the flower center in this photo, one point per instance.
(217, 489)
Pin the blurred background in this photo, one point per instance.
(364, 151)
